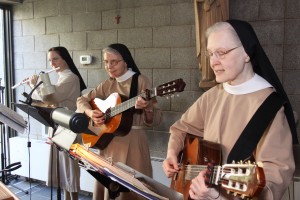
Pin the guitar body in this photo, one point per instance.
(119, 116)
(196, 152)
(118, 125)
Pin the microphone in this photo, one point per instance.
(76, 122)
(47, 88)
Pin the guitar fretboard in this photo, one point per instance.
(123, 106)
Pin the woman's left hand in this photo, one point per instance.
(142, 103)
(198, 189)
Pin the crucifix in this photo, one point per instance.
(118, 16)
(118, 19)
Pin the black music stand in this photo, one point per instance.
(43, 115)
(16, 122)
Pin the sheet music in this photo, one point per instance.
(12, 119)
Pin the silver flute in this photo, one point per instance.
(23, 82)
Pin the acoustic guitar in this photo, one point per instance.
(118, 117)
(240, 179)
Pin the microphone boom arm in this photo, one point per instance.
(28, 96)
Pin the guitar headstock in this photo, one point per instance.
(171, 87)
(243, 179)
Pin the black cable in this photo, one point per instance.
(28, 146)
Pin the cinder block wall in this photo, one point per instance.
(161, 37)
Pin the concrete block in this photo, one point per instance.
(153, 57)
(45, 42)
(45, 8)
(245, 10)
(272, 9)
(35, 60)
(17, 28)
(22, 11)
(172, 36)
(73, 41)
(291, 57)
(23, 44)
(59, 24)
(292, 9)
(152, 2)
(275, 55)
(292, 31)
(182, 14)
(265, 31)
(101, 39)
(152, 16)
(101, 5)
(184, 58)
(291, 80)
(34, 26)
(71, 6)
(18, 61)
(87, 21)
(135, 37)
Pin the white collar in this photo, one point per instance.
(256, 83)
(125, 76)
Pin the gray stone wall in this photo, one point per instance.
(161, 37)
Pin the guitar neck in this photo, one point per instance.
(123, 106)
(192, 171)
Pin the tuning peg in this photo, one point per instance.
(234, 194)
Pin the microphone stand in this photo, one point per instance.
(28, 96)
(28, 101)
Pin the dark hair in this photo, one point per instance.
(63, 52)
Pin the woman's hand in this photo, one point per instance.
(198, 189)
(143, 104)
(97, 116)
(170, 166)
(31, 81)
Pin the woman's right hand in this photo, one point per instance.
(170, 165)
(97, 116)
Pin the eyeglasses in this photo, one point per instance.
(111, 63)
(220, 54)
